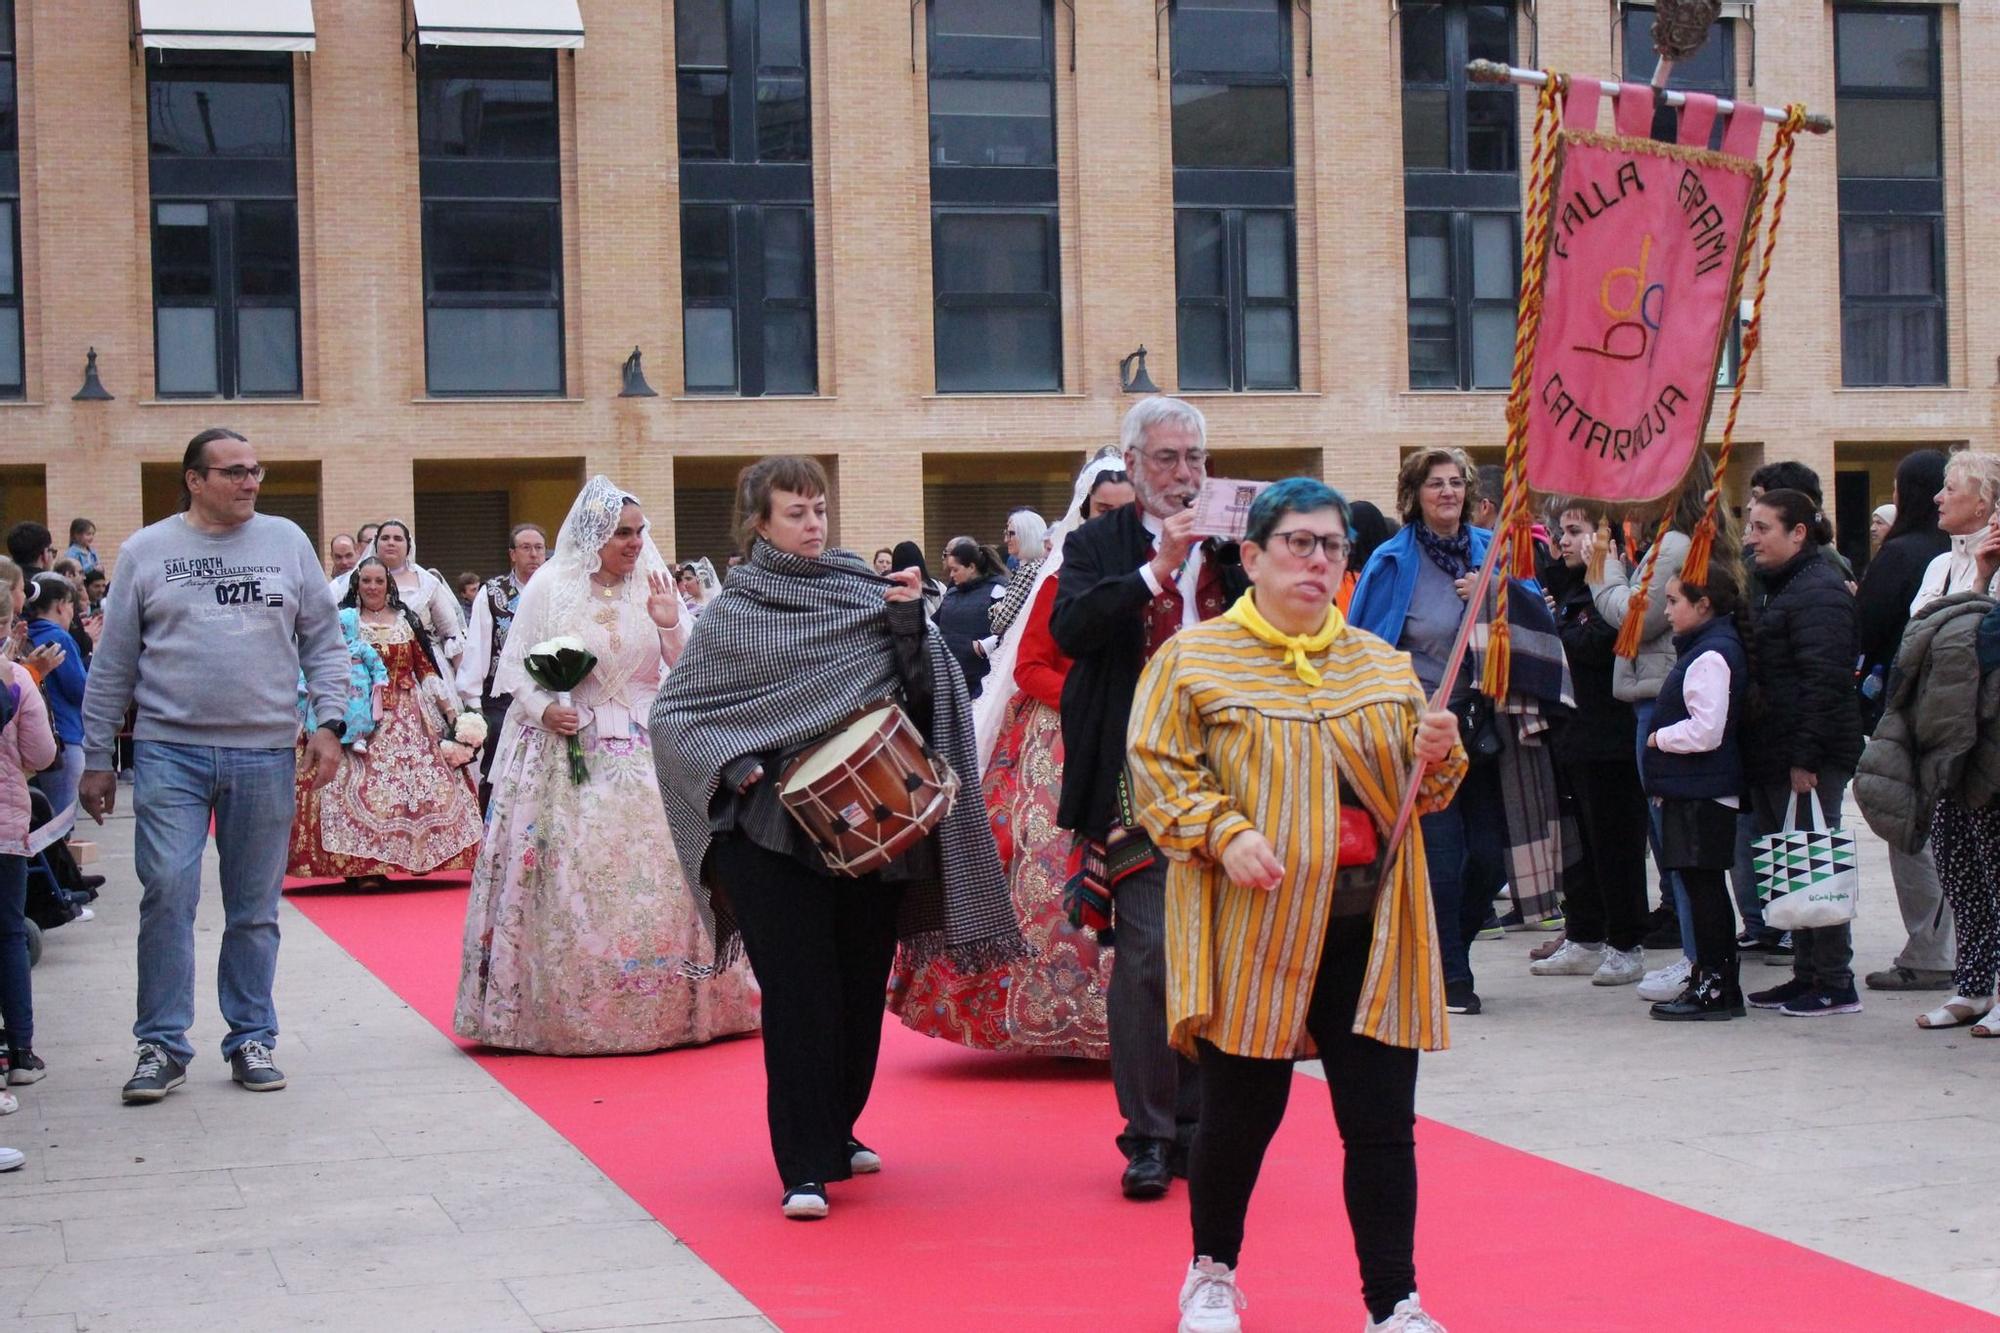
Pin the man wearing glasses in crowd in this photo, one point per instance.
(1129, 580)
(214, 612)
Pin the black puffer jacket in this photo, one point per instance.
(963, 618)
(1803, 649)
(1602, 727)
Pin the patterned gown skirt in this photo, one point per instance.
(1053, 1002)
(398, 809)
(581, 936)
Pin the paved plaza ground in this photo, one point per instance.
(396, 1186)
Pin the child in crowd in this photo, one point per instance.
(1694, 772)
(367, 679)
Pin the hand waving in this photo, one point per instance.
(663, 603)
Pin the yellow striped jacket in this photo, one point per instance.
(1225, 738)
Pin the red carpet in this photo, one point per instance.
(998, 1209)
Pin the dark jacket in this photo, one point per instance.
(962, 617)
(1804, 645)
(1705, 775)
(1099, 620)
(1888, 588)
(1602, 728)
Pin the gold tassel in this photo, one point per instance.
(1600, 552)
(1694, 569)
(1633, 631)
(1493, 680)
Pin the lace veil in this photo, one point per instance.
(989, 710)
(555, 599)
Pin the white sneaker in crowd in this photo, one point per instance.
(1407, 1317)
(1571, 960)
(11, 1159)
(1621, 967)
(1209, 1298)
(1667, 983)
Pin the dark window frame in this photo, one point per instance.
(751, 185)
(11, 301)
(988, 190)
(222, 184)
(493, 180)
(1235, 302)
(1458, 194)
(1235, 193)
(1896, 199)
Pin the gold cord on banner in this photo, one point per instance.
(1514, 527)
(1701, 544)
(1695, 568)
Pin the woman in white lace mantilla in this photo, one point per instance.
(424, 593)
(580, 935)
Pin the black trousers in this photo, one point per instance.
(1374, 1091)
(821, 946)
(1604, 894)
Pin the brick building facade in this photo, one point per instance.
(1351, 192)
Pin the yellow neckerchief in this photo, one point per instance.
(1296, 646)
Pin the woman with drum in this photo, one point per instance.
(581, 937)
(803, 642)
(1270, 749)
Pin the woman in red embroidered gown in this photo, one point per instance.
(1052, 1003)
(398, 808)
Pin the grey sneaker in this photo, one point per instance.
(252, 1067)
(156, 1075)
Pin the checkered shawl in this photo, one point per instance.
(790, 649)
(1539, 672)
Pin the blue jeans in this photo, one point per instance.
(1743, 879)
(1643, 709)
(1465, 844)
(17, 1005)
(249, 793)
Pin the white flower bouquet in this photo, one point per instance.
(559, 665)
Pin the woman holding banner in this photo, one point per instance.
(1413, 594)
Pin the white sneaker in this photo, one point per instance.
(1407, 1317)
(1209, 1298)
(1571, 960)
(1667, 983)
(9, 1104)
(11, 1159)
(1621, 967)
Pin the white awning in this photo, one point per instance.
(543, 23)
(227, 25)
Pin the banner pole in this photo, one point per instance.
(1445, 684)
(1492, 71)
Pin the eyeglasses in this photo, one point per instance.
(1302, 544)
(238, 474)
(1171, 462)
(1439, 485)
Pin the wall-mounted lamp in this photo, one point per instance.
(1136, 381)
(635, 380)
(93, 390)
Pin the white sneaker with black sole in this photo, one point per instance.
(1666, 983)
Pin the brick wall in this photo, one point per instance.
(365, 421)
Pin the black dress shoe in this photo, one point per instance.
(1710, 997)
(1146, 1175)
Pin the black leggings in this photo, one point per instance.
(1374, 1091)
(821, 946)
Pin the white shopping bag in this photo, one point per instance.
(1807, 877)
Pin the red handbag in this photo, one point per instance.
(1359, 842)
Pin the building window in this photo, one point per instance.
(1462, 195)
(1886, 101)
(225, 224)
(13, 365)
(1235, 261)
(747, 280)
(994, 215)
(489, 159)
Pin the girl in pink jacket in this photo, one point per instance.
(26, 746)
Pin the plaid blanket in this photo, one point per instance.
(1539, 674)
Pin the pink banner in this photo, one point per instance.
(1643, 244)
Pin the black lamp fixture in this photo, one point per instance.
(93, 390)
(1136, 381)
(635, 380)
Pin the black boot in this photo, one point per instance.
(1710, 997)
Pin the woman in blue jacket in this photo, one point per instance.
(49, 608)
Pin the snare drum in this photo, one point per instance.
(868, 790)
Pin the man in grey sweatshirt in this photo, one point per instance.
(212, 616)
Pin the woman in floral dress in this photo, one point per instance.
(580, 935)
(1052, 1003)
(399, 808)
